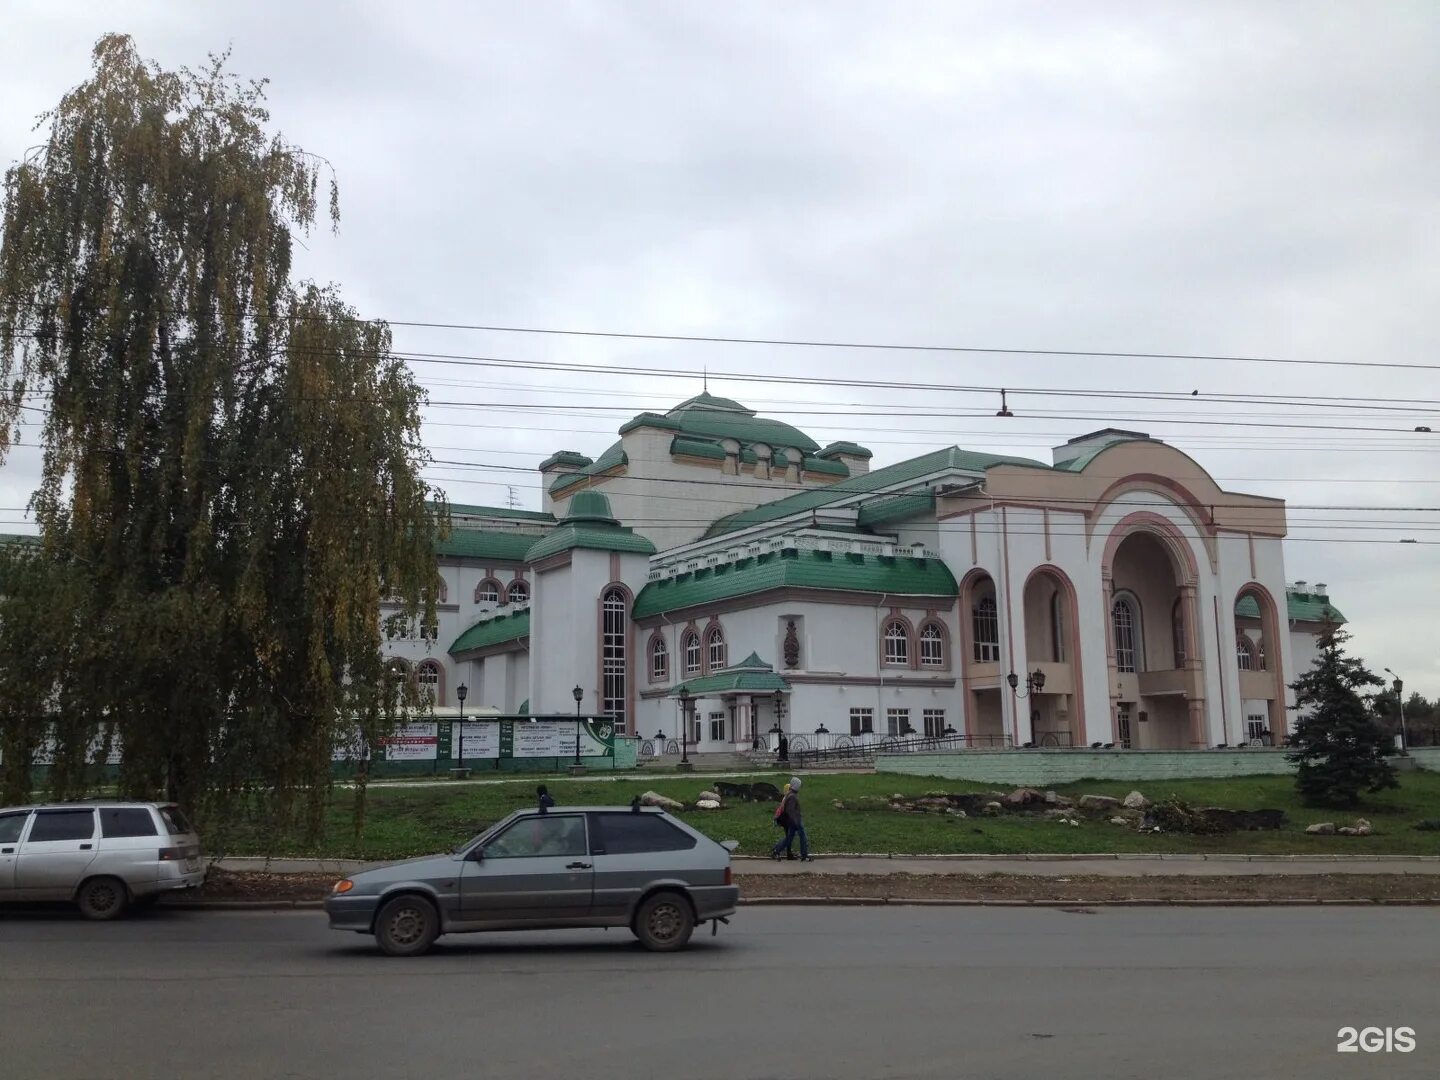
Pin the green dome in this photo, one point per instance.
(592, 507)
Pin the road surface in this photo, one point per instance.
(825, 993)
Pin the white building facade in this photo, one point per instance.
(1114, 596)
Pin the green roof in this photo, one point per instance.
(877, 479)
(612, 457)
(502, 544)
(511, 626)
(750, 675)
(524, 707)
(467, 510)
(895, 508)
(589, 524)
(721, 418)
(1077, 464)
(853, 449)
(707, 448)
(1299, 607)
(899, 575)
(565, 457)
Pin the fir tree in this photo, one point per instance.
(1338, 746)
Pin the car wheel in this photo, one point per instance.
(664, 922)
(407, 926)
(103, 898)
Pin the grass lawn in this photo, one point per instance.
(413, 821)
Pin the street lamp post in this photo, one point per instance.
(579, 695)
(461, 692)
(1400, 700)
(685, 728)
(1034, 683)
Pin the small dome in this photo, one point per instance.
(589, 506)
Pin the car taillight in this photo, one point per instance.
(178, 854)
(728, 878)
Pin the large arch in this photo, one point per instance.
(1269, 654)
(980, 679)
(625, 719)
(1161, 705)
(1061, 655)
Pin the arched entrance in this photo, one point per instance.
(980, 659)
(1257, 656)
(1157, 689)
(1052, 646)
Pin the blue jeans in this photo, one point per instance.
(792, 831)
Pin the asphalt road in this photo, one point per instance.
(783, 992)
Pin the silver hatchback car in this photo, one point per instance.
(104, 856)
(564, 868)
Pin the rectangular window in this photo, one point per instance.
(124, 821)
(934, 723)
(1255, 726)
(175, 821)
(986, 622)
(897, 721)
(1122, 725)
(532, 837)
(12, 825)
(862, 721)
(612, 656)
(636, 834)
(63, 825)
(717, 727)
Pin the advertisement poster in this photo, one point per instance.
(412, 742)
(556, 738)
(481, 740)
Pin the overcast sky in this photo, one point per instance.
(1230, 179)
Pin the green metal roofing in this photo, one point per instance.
(751, 675)
(565, 457)
(895, 508)
(501, 544)
(721, 418)
(877, 479)
(589, 524)
(1299, 607)
(509, 627)
(899, 575)
(697, 447)
(524, 707)
(853, 449)
(467, 510)
(1077, 464)
(614, 456)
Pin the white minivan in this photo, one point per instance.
(104, 855)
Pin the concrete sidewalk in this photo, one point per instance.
(1028, 865)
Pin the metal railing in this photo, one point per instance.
(862, 750)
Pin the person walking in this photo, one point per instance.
(789, 815)
(544, 798)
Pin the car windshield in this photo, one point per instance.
(484, 832)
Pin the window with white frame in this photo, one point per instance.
(715, 648)
(862, 721)
(692, 654)
(934, 723)
(1125, 617)
(427, 680)
(897, 721)
(613, 618)
(487, 592)
(986, 620)
(1244, 652)
(717, 727)
(897, 643)
(518, 592)
(1256, 724)
(659, 660)
(932, 646)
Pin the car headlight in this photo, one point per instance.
(344, 885)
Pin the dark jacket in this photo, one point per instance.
(792, 813)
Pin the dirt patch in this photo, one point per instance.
(1083, 889)
(224, 885)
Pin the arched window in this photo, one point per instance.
(518, 592)
(1125, 616)
(897, 643)
(715, 648)
(487, 592)
(613, 612)
(1260, 664)
(932, 646)
(1244, 652)
(429, 681)
(987, 631)
(659, 660)
(691, 649)
(441, 591)
(1057, 627)
(1177, 632)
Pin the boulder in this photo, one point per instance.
(1428, 825)
(1052, 798)
(1119, 821)
(708, 804)
(733, 791)
(708, 796)
(991, 809)
(1362, 827)
(1100, 803)
(1321, 828)
(764, 790)
(957, 813)
(1347, 830)
(1023, 797)
(1055, 813)
(1136, 801)
(654, 798)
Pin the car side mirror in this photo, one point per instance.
(477, 853)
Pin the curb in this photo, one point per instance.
(887, 901)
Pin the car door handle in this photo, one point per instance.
(578, 866)
(86, 847)
(7, 851)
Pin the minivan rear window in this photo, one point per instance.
(122, 821)
(175, 821)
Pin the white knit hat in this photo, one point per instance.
(794, 783)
